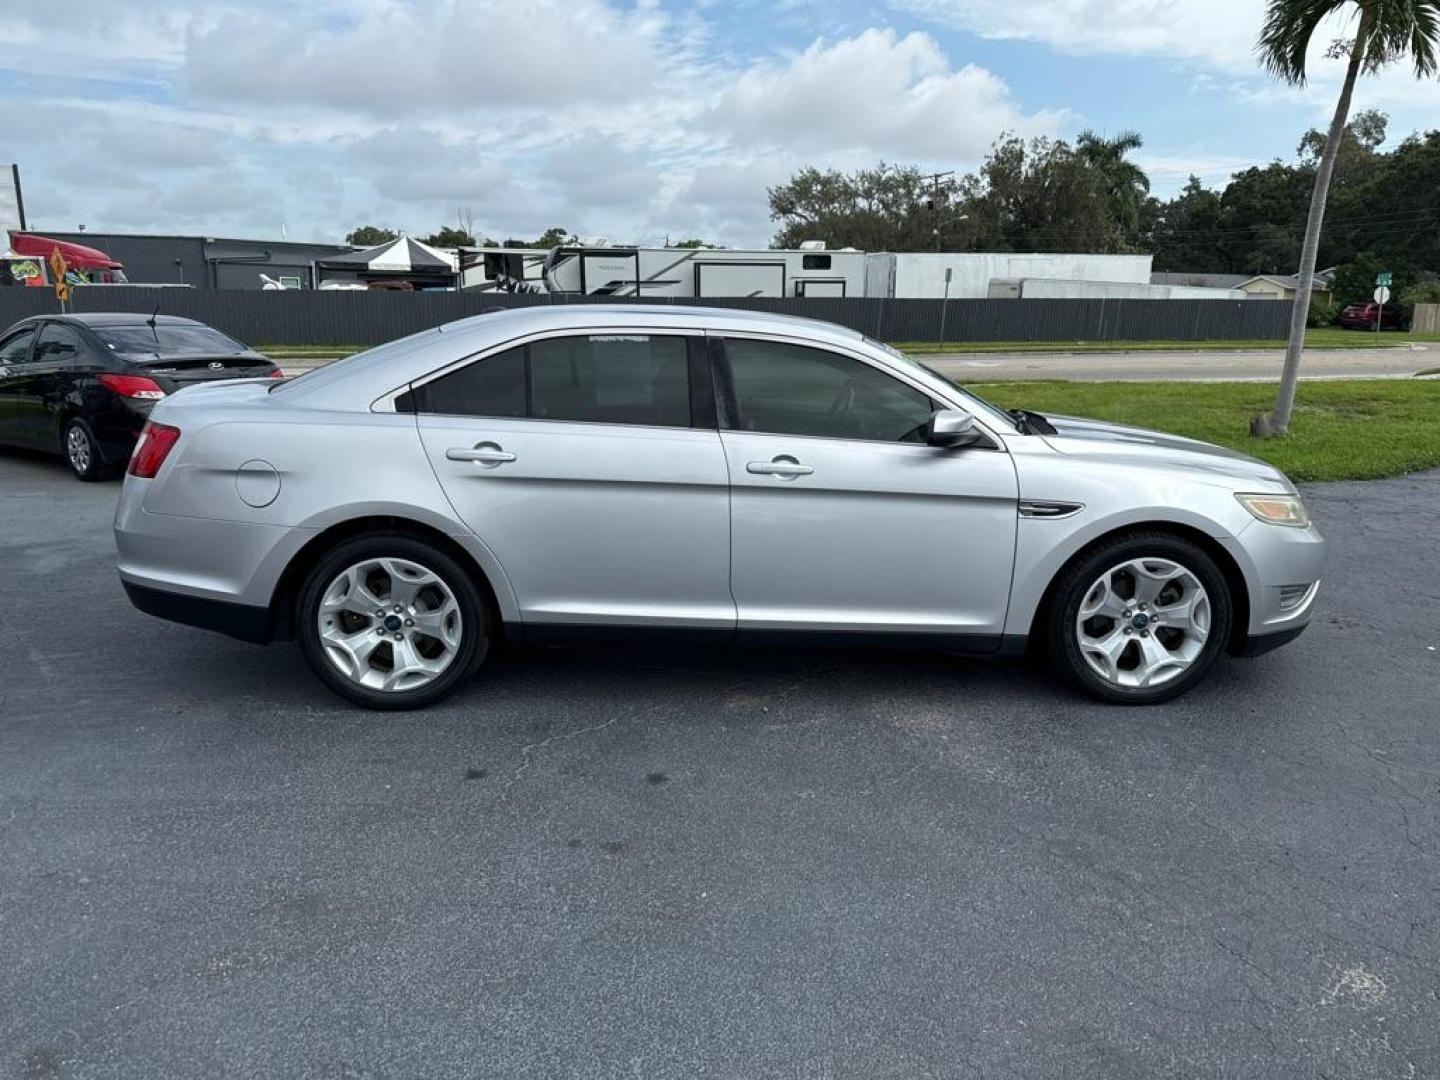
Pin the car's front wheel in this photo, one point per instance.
(390, 621)
(1139, 619)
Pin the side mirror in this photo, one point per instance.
(952, 428)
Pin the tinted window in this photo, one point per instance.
(815, 262)
(58, 345)
(611, 379)
(167, 338)
(601, 378)
(16, 348)
(792, 390)
(494, 386)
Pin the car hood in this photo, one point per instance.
(1106, 441)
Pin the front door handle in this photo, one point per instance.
(485, 453)
(784, 466)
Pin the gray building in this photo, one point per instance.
(207, 262)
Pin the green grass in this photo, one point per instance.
(305, 352)
(1341, 429)
(1324, 338)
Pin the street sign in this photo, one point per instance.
(57, 271)
(1383, 279)
(1382, 294)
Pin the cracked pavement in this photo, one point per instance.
(675, 863)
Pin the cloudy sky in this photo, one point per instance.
(627, 119)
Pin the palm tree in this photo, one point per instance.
(1126, 184)
(1388, 30)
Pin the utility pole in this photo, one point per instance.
(19, 197)
(935, 207)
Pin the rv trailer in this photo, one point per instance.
(509, 270)
(705, 272)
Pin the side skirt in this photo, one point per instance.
(541, 634)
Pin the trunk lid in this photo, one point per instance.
(174, 371)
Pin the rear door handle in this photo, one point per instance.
(784, 466)
(485, 453)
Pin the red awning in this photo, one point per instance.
(77, 256)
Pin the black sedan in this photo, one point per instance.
(81, 385)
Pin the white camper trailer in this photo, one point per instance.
(959, 275)
(705, 272)
(509, 270)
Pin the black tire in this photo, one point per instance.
(476, 624)
(85, 459)
(1070, 590)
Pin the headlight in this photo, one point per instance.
(1276, 509)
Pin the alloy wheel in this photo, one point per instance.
(1143, 622)
(389, 624)
(77, 449)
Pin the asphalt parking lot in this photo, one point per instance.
(680, 864)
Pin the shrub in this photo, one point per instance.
(1322, 313)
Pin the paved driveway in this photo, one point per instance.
(676, 864)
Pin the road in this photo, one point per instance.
(1261, 365)
(671, 864)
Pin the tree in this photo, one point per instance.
(694, 242)
(449, 236)
(1387, 30)
(1126, 184)
(879, 209)
(1187, 231)
(370, 236)
(1038, 196)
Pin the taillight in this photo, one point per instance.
(277, 374)
(154, 445)
(133, 386)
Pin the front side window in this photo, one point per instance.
(58, 345)
(794, 390)
(16, 348)
(594, 378)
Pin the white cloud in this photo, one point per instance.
(877, 93)
(621, 120)
(1217, 32)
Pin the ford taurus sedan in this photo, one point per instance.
(82, 386)
(578, 471)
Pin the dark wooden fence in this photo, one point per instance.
(368, 318)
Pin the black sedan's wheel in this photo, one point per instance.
(390, 621)
(82, 452)
(1141, 619)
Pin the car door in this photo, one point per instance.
(15, 355)
(842, 518)
(590, 465)
(59, 353)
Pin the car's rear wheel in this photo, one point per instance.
(1140, 619)
(390, 621)
(82, 452)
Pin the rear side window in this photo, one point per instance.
(597, 378)
(58, 345)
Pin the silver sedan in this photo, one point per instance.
(584, 470)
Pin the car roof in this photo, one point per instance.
(360, 379)
(117, 318)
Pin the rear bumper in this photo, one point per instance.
(241, 621)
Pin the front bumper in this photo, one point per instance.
(1282, 568)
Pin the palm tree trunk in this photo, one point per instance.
(1285, 399)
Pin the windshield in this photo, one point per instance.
(170, 338)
